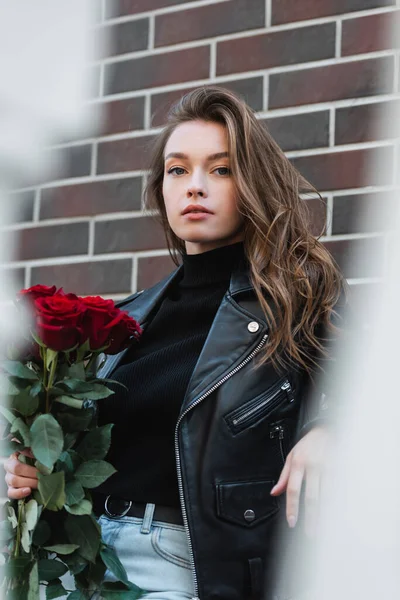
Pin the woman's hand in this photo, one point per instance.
(20, 478)
(306, 460)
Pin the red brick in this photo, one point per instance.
(342, 170)
(366, 122)
(157, 70)
(301, 131)
(131, 36)
(91, 199)
(53, 240)
(152, 269)
(124, 155)
(317, 211)
(362, 213)
(356, 79)
(123, 115)
(286, 11)
(88, 278)
(369, 34)
(208, 21)
(120, 8)
(268, 50)
(129, 235)
(251, 90)
(369, 252)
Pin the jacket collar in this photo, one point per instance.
(149, 298)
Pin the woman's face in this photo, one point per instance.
(198, 188)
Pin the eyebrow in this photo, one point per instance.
(211, 157)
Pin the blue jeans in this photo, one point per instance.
(154, 554)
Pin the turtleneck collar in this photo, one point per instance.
(211, 267)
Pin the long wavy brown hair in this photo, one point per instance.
(294, 276)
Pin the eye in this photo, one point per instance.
(226, 170)
(175, 169)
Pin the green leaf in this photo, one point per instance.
(77, 371)
(25, 538)
(62, 548)
(84, 507)
(76, 564)
(94, 472)
(76, 385)
(50, 569)
(31, 514)
(38, 340)
(96, 443)
(6, 531)
(51, 356)
(19, 426)
(69, 401)
(42, 468)
(18, 566)
(12, 517)
(69, 440)
(97, 392)
(18, 369)
(52, 490)
(7, 414)
(55, 590)
(7, 387)
(76, 595)
(85, 532)
(36, 388)
(41, 533)
(113, 563)
(47, 439)
(116, 591)
(24, 403)
(75, 419)
(33, 591)
(69, 462)
(74, 492)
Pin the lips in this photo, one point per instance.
(196, 208)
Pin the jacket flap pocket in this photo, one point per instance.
(246, 503)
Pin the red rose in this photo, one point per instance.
(122, 333)
(59, 321)
(99, 314)
(36, 291)
(105, 324)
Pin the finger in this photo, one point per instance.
(18, 493)
(293, 491)
(312, 495)
(280, 486)
(13, 465)
(27, 452)
(20, 482)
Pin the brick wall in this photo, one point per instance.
(319, 73)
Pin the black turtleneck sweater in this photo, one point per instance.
(156, 372)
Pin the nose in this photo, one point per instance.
(196, 187)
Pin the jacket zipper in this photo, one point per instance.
(279, 431)
(270, 400)
(178, 458)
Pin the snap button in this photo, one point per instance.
(249, 515)
(253, 326)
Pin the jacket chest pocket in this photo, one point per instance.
(257, 409)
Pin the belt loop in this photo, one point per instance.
(148, 518)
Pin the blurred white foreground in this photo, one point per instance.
(46, 48)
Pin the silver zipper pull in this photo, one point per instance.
(277, 430)
(286, 387)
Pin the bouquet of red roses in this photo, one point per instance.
(51, 389)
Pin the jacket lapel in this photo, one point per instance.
(139, 308)
(229, 340)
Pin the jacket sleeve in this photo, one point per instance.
(318, 406)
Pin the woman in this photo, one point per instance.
(217, 420)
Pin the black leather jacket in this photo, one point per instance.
(235, 428)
